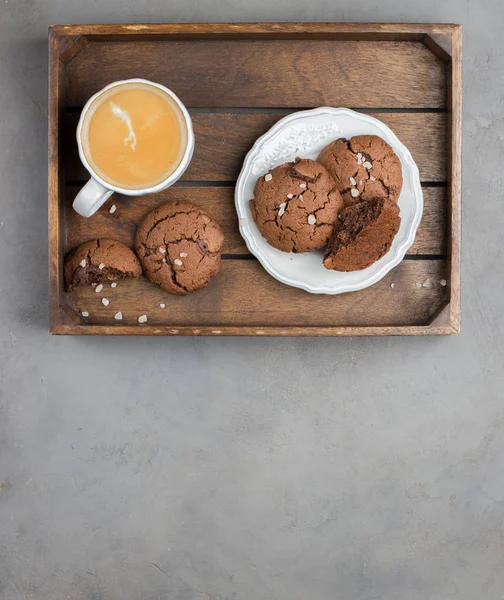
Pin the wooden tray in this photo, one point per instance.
(237, 80)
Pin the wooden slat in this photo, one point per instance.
(244, 293)
(432, 231)
(123, 223)
(269, 73)
(219, 201)
(223, 139)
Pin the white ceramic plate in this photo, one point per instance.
(304, 134)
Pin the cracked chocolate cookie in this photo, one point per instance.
(295, 206)
(179, 246)
(362, 234)
(99, 261)
(364, 167)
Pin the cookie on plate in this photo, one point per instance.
(364, 167)
(295, 206)
(179, 246)
(362, 234)
(99, 261)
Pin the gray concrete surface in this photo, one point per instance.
(249, 469)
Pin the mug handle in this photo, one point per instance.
(91, 197)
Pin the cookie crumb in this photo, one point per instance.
(443, 282)
(302, 186)
(162, 305)
(142, 319)
(352, 181)
(83, 263)
(290, 196)
(162, 250)
(183, 255)
(281, 209)
(113, 208)
(392, 285)
(105, 302)
(312, 219)
(427, 283)
(178, 262)
(268, 177)
(354, 192)
(98, 288)
(101, 265)
(371, 178)
(368, 165)
(85, 313)
(118, 316)
(113, 284)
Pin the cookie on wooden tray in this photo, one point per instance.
(364, 167)
(99, 261)
(179, 246)
(362, 234)
(295, 205)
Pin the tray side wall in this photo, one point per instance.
(455, 161)
(55, 92)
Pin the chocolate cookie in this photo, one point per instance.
(295, 206)
(99, 261)
(363, 233)
(364, 167)
(179, 246)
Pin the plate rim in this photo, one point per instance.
(400, 251)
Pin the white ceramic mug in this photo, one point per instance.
(97, 191)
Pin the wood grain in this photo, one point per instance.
(455, 161)
(224, 138)
(219, 202)
(71, 328)
(57, 46)
(269, 73)
(256, 299)
(334, 31)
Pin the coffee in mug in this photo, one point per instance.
(134, 137)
